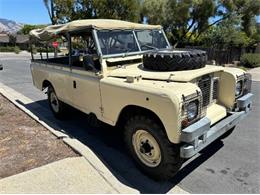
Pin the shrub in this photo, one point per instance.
(250, 60)
(44, 50)
(7, 49)
(17, 50)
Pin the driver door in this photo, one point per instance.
(85, 79)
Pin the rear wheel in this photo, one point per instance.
(57, 107)
(150, 148)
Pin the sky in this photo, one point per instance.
(24, 11)
(28, 11)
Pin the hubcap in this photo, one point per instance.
(146, 148)
(54, 102)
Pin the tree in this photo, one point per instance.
(12, 39)
(62, 11)
(226, 34)
(117, 9)
(179, 17)
(189, 19)
(27, 28)
(49, 4)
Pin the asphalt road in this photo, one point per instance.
(229, 166)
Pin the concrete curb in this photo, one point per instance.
(82, 149)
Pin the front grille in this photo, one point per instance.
(215, 89)
(205, 87)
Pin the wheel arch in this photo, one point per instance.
(46, 84)
(131, 110)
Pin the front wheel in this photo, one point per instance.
(150, 148)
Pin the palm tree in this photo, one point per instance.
(50, 8)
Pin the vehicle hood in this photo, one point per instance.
(178, 76)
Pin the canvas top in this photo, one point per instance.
(50, 32)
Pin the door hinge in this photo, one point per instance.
(101, 109)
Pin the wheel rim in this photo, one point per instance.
(146, 148)
(54, 102)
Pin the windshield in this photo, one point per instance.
(116, 42)
(123, 41)
(151, 39)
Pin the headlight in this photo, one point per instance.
(238, 88)
(192, 110)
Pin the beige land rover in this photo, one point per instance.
(168, 102)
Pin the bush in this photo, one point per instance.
(10, 49)
(250, 60)
(7, 49)
(17, 50)
(44, 50)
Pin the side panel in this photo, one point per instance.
(58, 76)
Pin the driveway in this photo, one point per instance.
(229, 166)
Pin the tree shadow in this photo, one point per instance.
(107, 143)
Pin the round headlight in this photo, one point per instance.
(238, 88)
(192, 110)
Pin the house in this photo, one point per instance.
(4, 40)
(22, 41)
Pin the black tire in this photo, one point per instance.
(170, 162)
(1, 67)
(59, 113)
(174, 60)
(228, 133)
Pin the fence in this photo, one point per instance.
(223, 56)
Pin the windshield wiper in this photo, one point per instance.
(126, 51)
(149, 46)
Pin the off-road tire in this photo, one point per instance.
(228, 133)
(174, 60)
(170, 154)
(62, 108)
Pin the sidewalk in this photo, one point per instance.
(255, 74)
(71, 175)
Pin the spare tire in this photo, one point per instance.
(174, 60)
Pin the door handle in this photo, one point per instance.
(74, 84)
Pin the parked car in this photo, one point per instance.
(168, 102)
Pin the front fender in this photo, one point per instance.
(227, 85)
(159, 98)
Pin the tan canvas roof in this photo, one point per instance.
(49, 32)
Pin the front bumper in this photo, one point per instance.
(201, 134)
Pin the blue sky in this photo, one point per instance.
(28, 11)
(24, 11)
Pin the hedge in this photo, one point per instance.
(250, 60)
(7, 49)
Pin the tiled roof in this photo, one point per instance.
(4, 38)
(22, 38)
